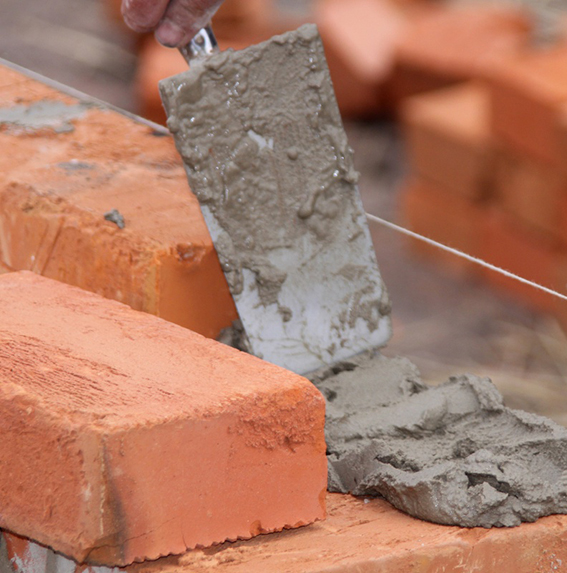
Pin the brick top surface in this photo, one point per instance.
(106, 161)
(462, 110)
(115, 366)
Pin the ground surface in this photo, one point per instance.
(445, 324)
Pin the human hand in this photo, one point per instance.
(174, 22)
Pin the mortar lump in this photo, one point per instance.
(451, 454)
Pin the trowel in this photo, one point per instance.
(266, 155)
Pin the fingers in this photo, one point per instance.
(183, 19)
(143, 15)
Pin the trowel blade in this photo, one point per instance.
(266, 154)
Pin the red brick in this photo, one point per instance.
(457, 44)
(369, 536)
(510, 246)
(445, 217)
(360, 39)
(126, 437)
(56, 187)
(533, 192)
(527, 94)
(448, 139)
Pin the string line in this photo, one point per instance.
(161, 129)
(463, 255)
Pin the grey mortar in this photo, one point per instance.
(5, 565)
(452, 454)
(45, 114)
(272, 170)
(266, 154)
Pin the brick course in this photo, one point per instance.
(56, 187)
(368, 535)
(126, 437)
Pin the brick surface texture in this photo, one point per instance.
(126, 437)
(368, 536)
(56, 186)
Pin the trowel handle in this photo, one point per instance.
(202, 45)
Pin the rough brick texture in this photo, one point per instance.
(369, 536)
(57, 182)
(448, 139)
(126, 437)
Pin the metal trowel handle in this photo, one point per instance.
(202, 45)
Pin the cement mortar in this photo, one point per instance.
(451, 454)
(55, 115)
(266, 154)
(5, 565)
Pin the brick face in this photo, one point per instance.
(448, 139)
(360, 39)
(526, 97)
(532, 192)
(56, 187)
(127, 437)
(367, 535)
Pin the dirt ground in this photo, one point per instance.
(447, 325)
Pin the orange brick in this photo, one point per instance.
(55, 189)
(126, 437)
(448, 139)
(510, 246)
(360, 39)
(532, 192)
(367, 536)
(456, 44)
(527, 94)
(445, 217)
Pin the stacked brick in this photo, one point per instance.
(488, 172)
(125, 437)
(358, 535)
(68, 165)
